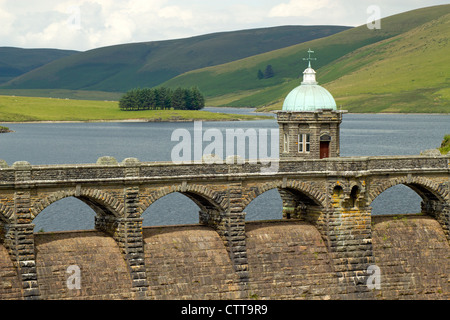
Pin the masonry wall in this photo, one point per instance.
(413, 255)
(287, 260)
(188, 262)
(10, 286)
(104, 273)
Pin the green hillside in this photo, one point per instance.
(402, 67)
(17, 61)
(408, 73)
(123, 67)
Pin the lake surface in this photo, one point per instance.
(72, 143)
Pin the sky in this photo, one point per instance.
(87, 24)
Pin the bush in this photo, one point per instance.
(445, 145)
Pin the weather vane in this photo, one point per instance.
(309, 58)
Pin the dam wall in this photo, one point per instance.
(287, 259)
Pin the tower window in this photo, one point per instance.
(286, 142)
(304, 143)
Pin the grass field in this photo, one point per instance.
(25, 109)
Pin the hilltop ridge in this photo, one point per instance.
(147, 64)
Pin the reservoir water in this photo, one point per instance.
(73, 143)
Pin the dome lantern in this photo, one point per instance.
(309, 122)
(309, 96)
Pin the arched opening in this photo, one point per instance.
(338, 195)
(281, 203)
(398, 199)
(297, 204)
(174, 209)
(267, 206)
(66, 214)
(354, 195)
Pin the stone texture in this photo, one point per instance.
(104, 272)
(289, 260)
(10, 284)
(189, 262)
(413, 254)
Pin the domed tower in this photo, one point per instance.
(309, 121)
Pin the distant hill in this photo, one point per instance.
(402, 67)
(122, 67)
(17, 61)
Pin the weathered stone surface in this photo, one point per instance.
(413, 255)
(331, 197)
(189, 263)
(103, 270)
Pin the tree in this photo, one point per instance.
(178, 101)
(268, 73)
(198, 101)
(260, 74)
(188, 99)
(148, 99)
(130, 100)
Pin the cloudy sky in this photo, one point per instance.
(88, 24)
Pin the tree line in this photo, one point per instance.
(162, 99)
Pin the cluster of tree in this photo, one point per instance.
(162, 98)
(268, 73)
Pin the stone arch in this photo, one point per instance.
(204, 197)
(101, 202)
(7, 214)
(298, 187)
(266, 206)
(427, 189)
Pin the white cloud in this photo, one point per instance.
(299, 8)
(88, 24)
(176, 12)
(6, 19)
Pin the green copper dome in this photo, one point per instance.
(309, 96)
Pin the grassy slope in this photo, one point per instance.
(122, 67)
(408, 73)
(63, 94)
(340, 55)
(21, 109)
(17, 61)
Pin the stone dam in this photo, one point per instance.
(321, 249)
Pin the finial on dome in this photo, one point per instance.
(309, 57)
(309, 75)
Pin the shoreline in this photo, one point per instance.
(204, 120)
(131, 121)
